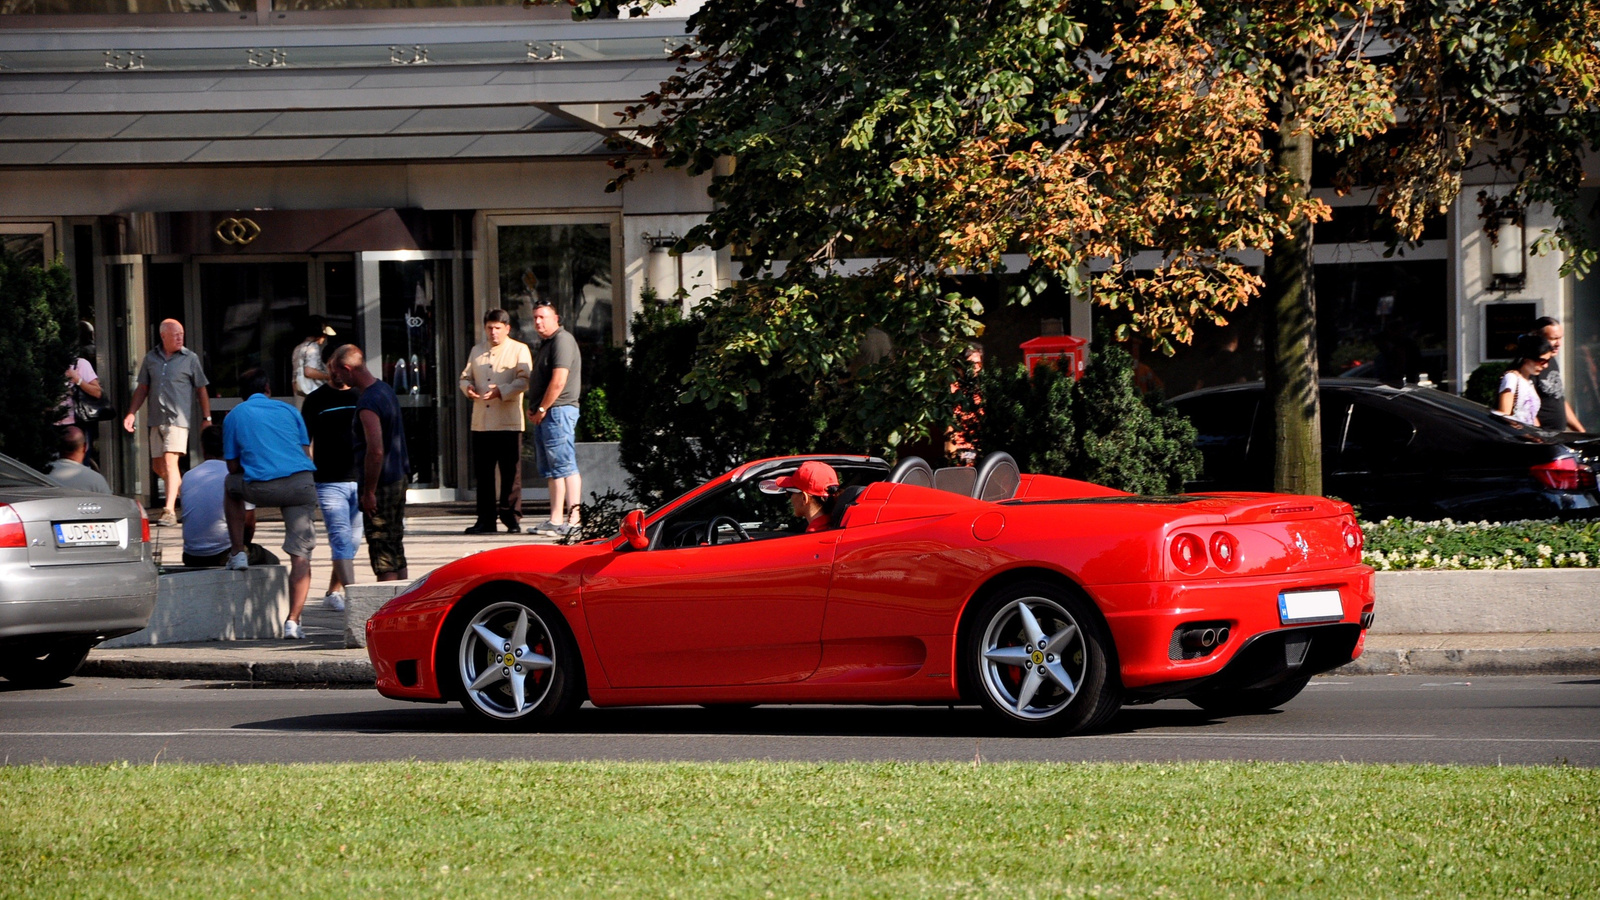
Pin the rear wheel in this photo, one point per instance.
(517, 664)
(41, 665)
(1042, 661)
(1252, 701)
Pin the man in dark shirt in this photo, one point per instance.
(1555, 413)
(383, 463)
(329, 411)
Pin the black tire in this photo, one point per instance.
(42, 665)
(1082, 656)
(550, 692)
(1254, 701)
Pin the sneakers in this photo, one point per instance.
(291, 631)
(240, 560)
(168, 518)
(334, 602)
(546, 528)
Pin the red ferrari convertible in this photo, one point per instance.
(1049, 601)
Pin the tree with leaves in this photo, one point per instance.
(38, 330)
(936, 138)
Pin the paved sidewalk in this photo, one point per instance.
(433, 540)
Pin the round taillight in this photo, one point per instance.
(1354, 540)
(1188, 553)
(1224, 550)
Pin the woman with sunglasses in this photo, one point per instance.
(1517, 397)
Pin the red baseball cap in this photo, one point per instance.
(812, 478)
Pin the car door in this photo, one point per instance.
(1372, 468)
(692, 612)
(1229, 434)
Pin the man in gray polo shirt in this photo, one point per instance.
(172, 373)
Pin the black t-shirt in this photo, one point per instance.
(328, 412)
(381, 399)
(1552, 397)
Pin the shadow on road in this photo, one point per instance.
(766, 721)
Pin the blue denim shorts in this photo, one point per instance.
(554, 445)
(341, 516)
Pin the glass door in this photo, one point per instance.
(406, 301)
(569, 261)
(252, 314)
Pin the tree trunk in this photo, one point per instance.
(1291, 377)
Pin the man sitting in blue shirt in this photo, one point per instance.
(265, 444)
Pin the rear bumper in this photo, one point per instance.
(1143, 618)
(94, 601)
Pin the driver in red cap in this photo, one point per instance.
(810, 488)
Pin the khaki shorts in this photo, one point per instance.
(168, 439)
(295, 495)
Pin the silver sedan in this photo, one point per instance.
(75, 569)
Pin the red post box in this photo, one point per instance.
(1065, 352)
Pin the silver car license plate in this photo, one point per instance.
(86, 534)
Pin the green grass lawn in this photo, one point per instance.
(526, 830)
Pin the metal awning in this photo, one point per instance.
(325, 94)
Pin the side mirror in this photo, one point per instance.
(633, 530)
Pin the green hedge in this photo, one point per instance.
(1535, 544)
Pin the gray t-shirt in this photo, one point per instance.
(558, 351)
(173, 381)
(78, 476)
(1552, 397)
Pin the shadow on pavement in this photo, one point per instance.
(767, 721)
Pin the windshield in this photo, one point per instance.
(14, 474)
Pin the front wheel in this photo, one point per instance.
(517, 664)
(1250, 702)
(44, 665)
(1042, 661)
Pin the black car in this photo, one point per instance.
(1403, 451)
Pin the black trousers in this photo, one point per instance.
(498, 450)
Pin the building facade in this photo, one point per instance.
(400, 166)
(397, 170)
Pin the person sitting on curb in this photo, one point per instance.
(269, 464)
(69, 471)
(811, 489)
(205, 525)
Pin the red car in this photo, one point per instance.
(1051, 602)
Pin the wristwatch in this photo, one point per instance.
(206, 419)
(542, 410)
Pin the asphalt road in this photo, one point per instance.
(1478, 721)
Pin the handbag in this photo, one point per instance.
(89, 409)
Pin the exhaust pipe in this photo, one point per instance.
(1203, 639)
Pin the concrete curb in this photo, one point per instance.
(325, 671)
(1479, 661)
(1506, 661)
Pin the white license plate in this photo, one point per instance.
(86, 534)
(1295, 607)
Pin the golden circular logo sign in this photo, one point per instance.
(237, 232)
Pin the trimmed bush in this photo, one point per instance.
(38, 330)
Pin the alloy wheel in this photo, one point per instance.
(1035, 660)
(507, 658)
